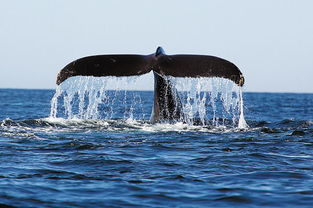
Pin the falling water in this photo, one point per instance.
(96, 98)
(205, 101)
(211, 99)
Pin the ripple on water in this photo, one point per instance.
(169, 168)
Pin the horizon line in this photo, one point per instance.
(281, 92)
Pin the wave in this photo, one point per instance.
(61, 124)
(31, 128)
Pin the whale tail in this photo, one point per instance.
(167, 104)
(106, 65)
(170, 65)
(166, 100)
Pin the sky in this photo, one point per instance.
(271, 41)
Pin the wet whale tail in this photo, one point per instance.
(167, 106)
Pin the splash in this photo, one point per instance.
(96, 98)
(205, 101)
(214, 101)
(242, 124)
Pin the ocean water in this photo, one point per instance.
(121, 160)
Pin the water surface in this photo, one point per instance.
(55, 162)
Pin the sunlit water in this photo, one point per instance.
(120, 159)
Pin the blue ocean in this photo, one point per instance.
(67, 152)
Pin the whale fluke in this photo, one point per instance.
(198, 66)
(159, 62)
(106, 65)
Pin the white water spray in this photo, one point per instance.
(93, 98)
(242, 124)
(205, 101)
(215, 99)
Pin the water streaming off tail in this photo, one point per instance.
(98, 98)
(205, 101)
(213, 101)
